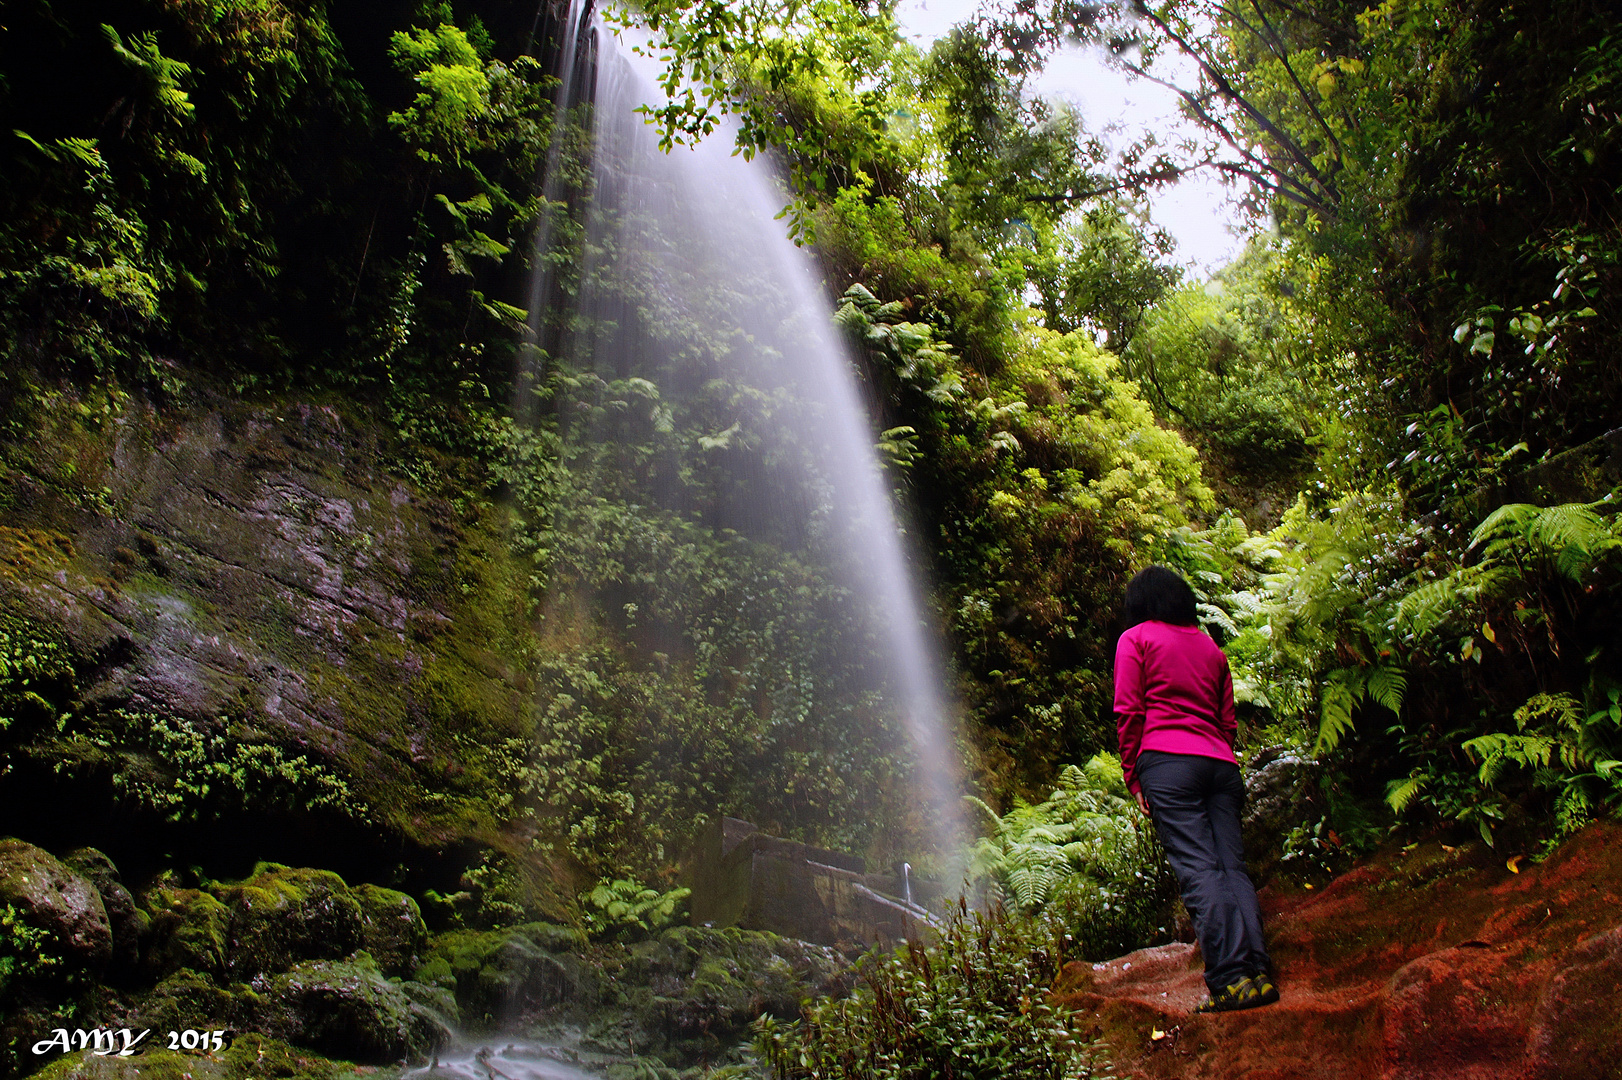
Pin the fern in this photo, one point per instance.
(1428, 606)
(1087, 830)
(1497, 750)
(1571, 538)
(1515, 515)
(1399, 793)
(1341, 693)
(1210, 615)
(1387, 685)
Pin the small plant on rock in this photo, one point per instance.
(621, 908)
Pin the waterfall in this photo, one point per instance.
(677, 285)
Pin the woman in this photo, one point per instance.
(1174, 714)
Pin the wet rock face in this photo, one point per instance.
(258, 574)
(1280, 792)
(52, 897)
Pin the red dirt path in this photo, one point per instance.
(1434, 964)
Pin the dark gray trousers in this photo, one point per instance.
(1196, 802)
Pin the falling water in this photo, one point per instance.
(683, 247)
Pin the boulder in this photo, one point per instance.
(347, 1009)
(248, 1055)
(52, 897)
(186, 999)
(691, 993)
(127, 922)
(496, 975)
(392, 928)
(284, 915)
(186, 929)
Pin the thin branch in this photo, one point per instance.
(1303, 194)
(1132, 182)
(1227, 90)
(1281, 50)
(1343, 29)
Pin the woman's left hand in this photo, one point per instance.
(1143, 804)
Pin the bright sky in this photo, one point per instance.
(1196, 211)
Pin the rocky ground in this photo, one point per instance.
(316, 977)
(1431, 961)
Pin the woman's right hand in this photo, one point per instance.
(1143, 804)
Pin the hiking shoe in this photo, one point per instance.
(1266, 988)
(1244, 994)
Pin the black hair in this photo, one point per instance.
(1159, 594)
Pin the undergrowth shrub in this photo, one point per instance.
(972, 1003)
(1087, 857)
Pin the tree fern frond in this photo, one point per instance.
(1211, 615)
(1250, 692)
(1565, 710)
(1511, 517)
(1342, 691)
(1426, 607)
(1399, 793)
(1244, 604)
(1497, 750)
(980, 804)
(1567, 525)
(1387, 685)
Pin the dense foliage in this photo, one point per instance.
(972, 1004)
(1087, 858)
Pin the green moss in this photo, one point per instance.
(187, 999)
(188, 929)
(392, 927)
(281, 915)
(249, 1057)
(347, 1008)
(494, 972)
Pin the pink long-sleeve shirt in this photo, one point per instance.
(1174, 693)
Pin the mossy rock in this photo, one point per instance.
(127, 922)
(349, 1010)
(437, 1001)
(55, 899)
(188, 929)
(284, 915)
(249, 1057)
(187, 999)
(692, 993)
(392, 928)
(497, 974)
